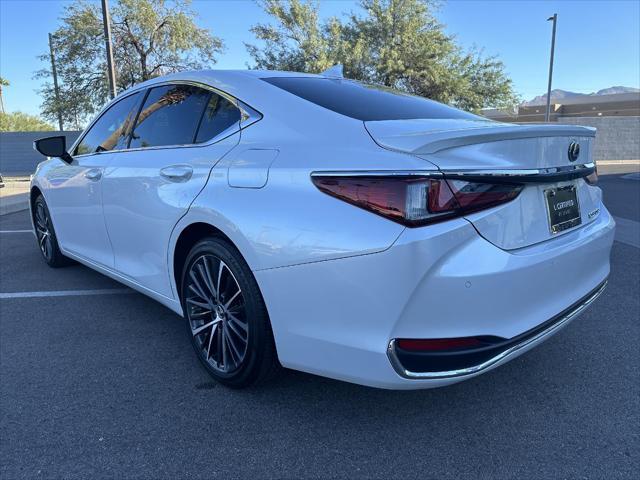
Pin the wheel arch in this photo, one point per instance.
(185, 237)
(33, 194)
(198, 225)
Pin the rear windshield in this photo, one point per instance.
(365, 102)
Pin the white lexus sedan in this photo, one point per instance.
(330, 226)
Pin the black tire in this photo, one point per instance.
(46, 235)
(225, 315)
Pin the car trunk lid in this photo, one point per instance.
(555, 199)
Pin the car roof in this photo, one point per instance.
(277, 106)
(225, 80)
(267, 73)
(245, 85)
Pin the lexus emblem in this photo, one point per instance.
(574, 151)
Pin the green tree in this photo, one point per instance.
(396, 43)
(22, 122)
(150, 38)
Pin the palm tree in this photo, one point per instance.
(3, 83)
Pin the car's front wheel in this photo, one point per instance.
(46, 235)
(226, 317)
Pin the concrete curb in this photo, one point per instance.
(14, 195)
(618, 162)
(14, 203)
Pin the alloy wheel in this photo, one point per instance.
(216, 313)
(43, 230)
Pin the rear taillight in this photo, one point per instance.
(415, 201)
(440, 344)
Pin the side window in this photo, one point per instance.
(219, 115)
(111, 131)
(169, 116)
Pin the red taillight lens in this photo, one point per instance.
(440, 197)
(415, 201)
(439, 344)
(387, 198)
(473, 196)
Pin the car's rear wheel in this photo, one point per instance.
(226, 317)
(46, 235)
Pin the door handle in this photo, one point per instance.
(94, 174)
(177, 173)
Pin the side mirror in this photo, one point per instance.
(53, 147)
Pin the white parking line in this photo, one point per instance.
(67, 293)
(16, 231)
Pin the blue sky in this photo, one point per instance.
(598, 42)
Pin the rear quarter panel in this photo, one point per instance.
(288, 221)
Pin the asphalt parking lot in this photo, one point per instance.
(106, 386)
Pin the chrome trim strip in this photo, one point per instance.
(522, 175)
(397, 366)
(532, 172)
(584, 168)
(377, 173)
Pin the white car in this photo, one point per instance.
(328, 226)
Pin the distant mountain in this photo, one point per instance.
(612, 90)
(558, 94)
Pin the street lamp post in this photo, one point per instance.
(106, 21)
(547, 113)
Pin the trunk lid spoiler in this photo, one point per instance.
(426, 137)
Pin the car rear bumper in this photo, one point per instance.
(338, 318)
(417, 365)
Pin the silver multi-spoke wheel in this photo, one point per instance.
(46, 235)
(215, 309)
(43, 230)
(226, 316)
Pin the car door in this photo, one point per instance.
(181, 132)
(75, 190)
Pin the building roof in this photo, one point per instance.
(588, 99)
(617, 104)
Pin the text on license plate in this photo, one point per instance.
(563, 208)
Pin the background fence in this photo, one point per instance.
(17, 156)
(617, 138)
